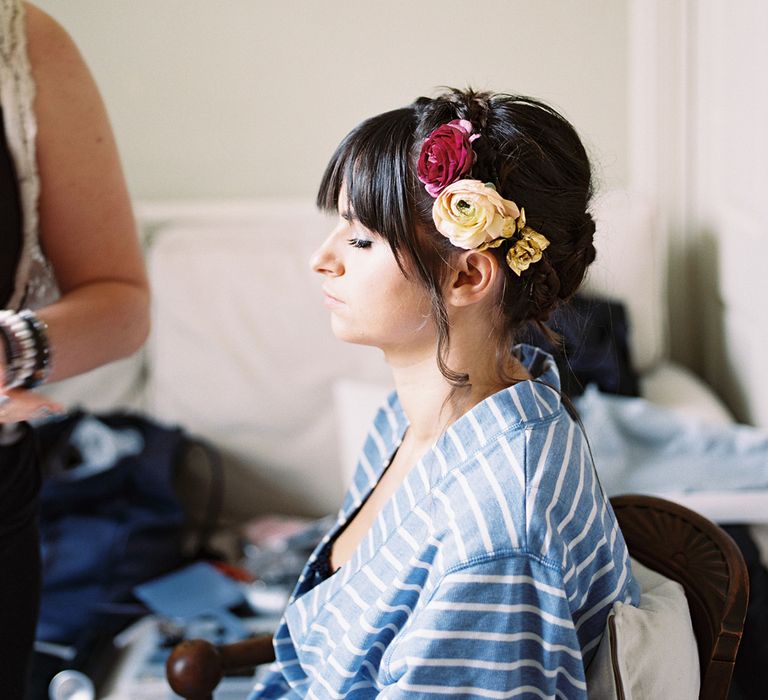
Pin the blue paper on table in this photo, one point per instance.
(194, 591)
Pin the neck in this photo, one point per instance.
(430, 402)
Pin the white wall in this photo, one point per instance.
(729, 207)
(241, 98)
(698, 149)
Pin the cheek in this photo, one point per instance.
(405, 308)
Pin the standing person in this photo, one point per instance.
(73, 290)
(475, 554)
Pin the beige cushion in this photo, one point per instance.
(241, 352)
(650, 651)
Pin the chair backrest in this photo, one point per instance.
(694, 551)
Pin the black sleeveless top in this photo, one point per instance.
(11, 223)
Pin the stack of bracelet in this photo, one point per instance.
(24, 338)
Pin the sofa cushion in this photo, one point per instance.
(647, 651)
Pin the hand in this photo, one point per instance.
(18, 405)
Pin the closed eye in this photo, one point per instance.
(359, 242)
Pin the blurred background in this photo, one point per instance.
(246, 98)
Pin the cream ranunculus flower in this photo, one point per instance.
(470, 213)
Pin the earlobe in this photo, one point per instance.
(474, 278)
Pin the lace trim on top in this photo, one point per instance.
(35, 284)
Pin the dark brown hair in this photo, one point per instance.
(530, 153)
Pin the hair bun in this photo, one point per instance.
(578, 256)
(544, 288)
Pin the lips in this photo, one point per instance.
(331, 301)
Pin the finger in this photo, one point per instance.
(20, 405)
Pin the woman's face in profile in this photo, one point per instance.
(370, 299)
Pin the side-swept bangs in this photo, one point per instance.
(372, 163)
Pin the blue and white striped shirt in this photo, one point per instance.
(489, 573)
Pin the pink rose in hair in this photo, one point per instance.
(446, 155)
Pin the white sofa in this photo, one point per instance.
(241, 352)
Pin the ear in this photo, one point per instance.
(474, 276)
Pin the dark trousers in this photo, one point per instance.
(19, 561)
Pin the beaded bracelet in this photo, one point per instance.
(27, 350)
(39, 331)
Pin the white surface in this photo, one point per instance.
(630, 266)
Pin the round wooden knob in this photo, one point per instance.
(194, 669)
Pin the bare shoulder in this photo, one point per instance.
(48, 43)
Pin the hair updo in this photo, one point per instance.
(529, 152)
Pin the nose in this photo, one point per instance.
(325, 259)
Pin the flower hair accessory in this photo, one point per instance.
(471, 214)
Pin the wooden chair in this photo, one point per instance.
(688, 548)
(666, 537)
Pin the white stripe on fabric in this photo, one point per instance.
(474, 635)
(396, 511)
(409, 493)
(503, 666)
(338, 615)
(606, 600)
(558, 488)
(496, 413)
(482, 526)
(412, 543)
(540, 400)
(457, 444)
(397, 565)
(441, 458)
(368, 469)
(509, 523)
(354, 493)
(421, 514)
(352, 593)
(538, 475)
(576, 498)
(378, 440)
(518, 404)
(322, 629)
(423, 474)
(467, 690)
(452, 522)
(391, 419)
(532, 390)
(587, 527)
(382, 526)
(591, 556)
(510, 579)
(381, 605)
(593, 643)
(302, 613)
(517, 470)
(505, 608)
(476, 427)
(373, 578)
(357, 651)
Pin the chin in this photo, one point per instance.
(351, 335)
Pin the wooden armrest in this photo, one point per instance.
(195, 667)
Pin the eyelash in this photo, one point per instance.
(359, 243)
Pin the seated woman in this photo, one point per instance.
(475, 553)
